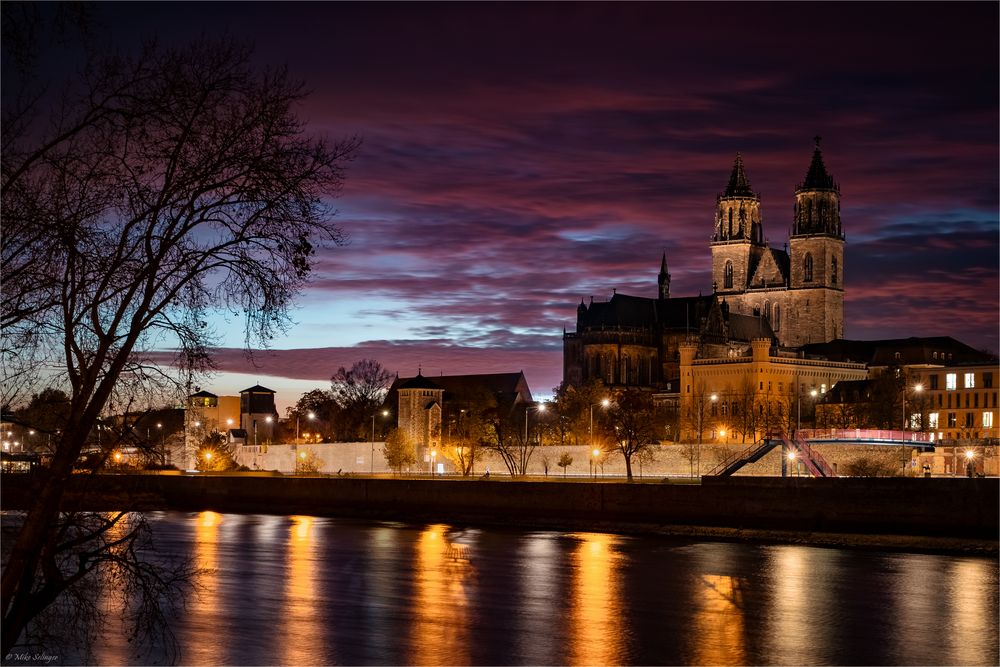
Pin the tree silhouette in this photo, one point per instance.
(156, 189)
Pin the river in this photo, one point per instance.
(299, 590)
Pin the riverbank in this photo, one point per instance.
(886, 513)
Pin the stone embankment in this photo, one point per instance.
(948, 514)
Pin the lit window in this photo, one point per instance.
(970, 380)
(987, 420)
(951, 381)
(932, 420)
(952, 420)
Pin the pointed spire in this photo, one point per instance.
(664, 278)
(739, 184)
(817, 177)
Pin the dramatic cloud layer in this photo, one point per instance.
(520, 157)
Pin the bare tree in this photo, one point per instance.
(158, 188)
(468, 419)
(358, 393)
(635, 423)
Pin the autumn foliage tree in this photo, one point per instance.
(156, 189)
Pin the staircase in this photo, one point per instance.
(815, 464)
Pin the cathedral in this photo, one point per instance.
(793, 296)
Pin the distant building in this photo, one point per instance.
(792, 296)
(424, 406)
(940, 384)
(766, 346)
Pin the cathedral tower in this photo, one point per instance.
(738, 240)
(816, 258)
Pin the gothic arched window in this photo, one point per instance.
(833, 272)
(776, 322)
(767, 311)
(807, 269)
(728, 278)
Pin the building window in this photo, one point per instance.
(807, 269)
(968, 420)
(833, 272)
(951, 381)
(934, 381)
(767, 311)
(987, 380)
(777, 317)
(970, 380)
(727, 279)
(987, 420)
(952, 420)
(932, 420)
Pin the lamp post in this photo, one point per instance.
(309, 416)
(970, 466)
(814, 393)
(605, 402)
(917, 388)
(385, 413)
(714, 398)
(528, 408)
(163, 453)
(434, 454)
(593, 472)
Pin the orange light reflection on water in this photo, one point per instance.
(303, 634)
(596, 622)
(204, 608)
(440, 631)
(718, 622)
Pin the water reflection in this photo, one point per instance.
(302, 632)
(596, 610)
(298, 590)
(440, 631)
(204, 610)
(718, 621)
(969, 631)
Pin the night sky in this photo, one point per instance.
(520, 157)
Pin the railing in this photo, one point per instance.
(744, 455)
(864, 435)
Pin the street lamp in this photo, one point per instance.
(714, 398)
(969, 465)
(604, 404)
(814, 393)
(434, 454)
(791, 458)
(917, 388)
(528, 408)
(593, 472)
(309, 416)
(163, 449)
(385, 413)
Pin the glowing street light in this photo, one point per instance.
(593, 471)
(917, 388)
(385, 413)
(605, 402)
(434, 454)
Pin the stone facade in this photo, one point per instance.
(793, 297)
(799, 292)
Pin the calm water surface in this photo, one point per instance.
(297, 590)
